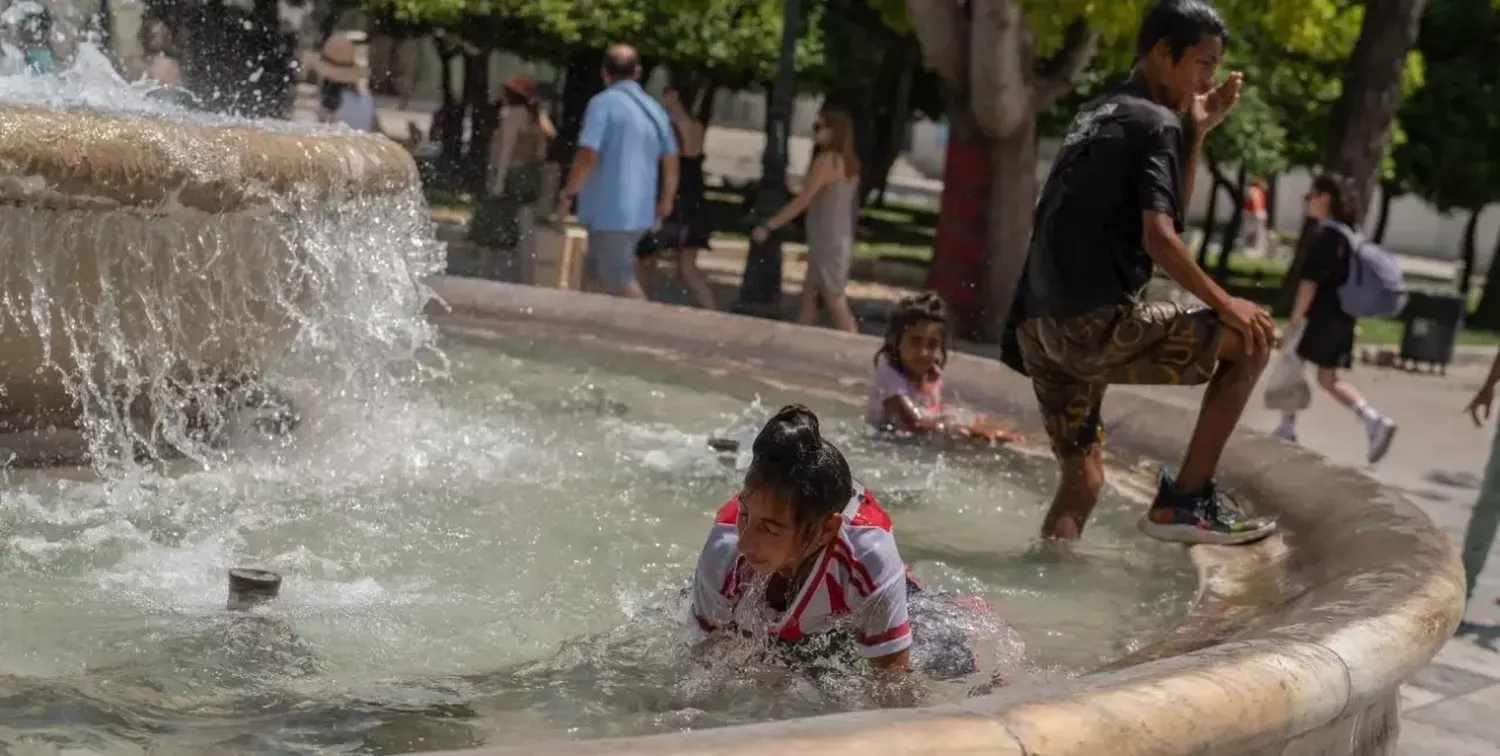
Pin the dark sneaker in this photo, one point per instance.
(1205, 516)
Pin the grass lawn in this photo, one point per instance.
(1388, 331)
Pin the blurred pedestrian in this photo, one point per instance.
(624, 174)
(683, 233)
(504, 220)
(828, 196)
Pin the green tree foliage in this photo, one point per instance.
(734, 42)
(1452, 154)
(1451, 157)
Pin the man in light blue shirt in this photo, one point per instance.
(625, 143)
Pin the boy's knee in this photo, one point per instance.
(1238, 359)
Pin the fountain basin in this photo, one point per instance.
(114, 221)
(1296, 645)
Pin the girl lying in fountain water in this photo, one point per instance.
(804, 555)
(906, 395)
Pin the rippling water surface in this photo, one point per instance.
(489, 558)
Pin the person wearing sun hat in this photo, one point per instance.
(344, 92)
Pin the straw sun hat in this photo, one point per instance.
(339, 61)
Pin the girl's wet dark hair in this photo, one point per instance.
(922, 307)
(794, 462)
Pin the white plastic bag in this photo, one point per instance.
(1286, 386)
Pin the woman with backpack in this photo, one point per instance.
(1327, 329)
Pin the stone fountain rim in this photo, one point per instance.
(1309, 633)
(79, 158)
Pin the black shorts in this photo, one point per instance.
(1328, 342)
(1072, 360)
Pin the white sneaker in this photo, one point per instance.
(1380, 431)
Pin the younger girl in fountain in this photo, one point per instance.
(804, 552)
(906, 395)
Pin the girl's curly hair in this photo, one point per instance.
(922, 307)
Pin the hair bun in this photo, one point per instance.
(790, 435)
(924, 304)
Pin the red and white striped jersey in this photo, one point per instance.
(858, 579)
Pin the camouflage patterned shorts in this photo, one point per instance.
(1071, 361)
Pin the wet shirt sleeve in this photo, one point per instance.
(884, 628)
(882, 622)
(1160, 186)
(709, 611)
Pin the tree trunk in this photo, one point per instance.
(1362, 116)
(582, 84)
(1387, 195)
(1012, 203)
(959, 243)
(1272, 197)
(705, 110)
(1232, 230)
(1210, 220)
(1470, 250)
(1487, 312)
(889, 129)
(482, 117)
(989, 193)
(448, 122)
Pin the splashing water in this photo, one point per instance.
(135, 315)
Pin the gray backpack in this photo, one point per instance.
(1376, 286)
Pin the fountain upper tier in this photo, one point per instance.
(152, 259)
(89, 159)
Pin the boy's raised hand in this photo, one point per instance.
(1212, 107)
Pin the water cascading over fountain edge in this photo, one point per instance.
(160, 267)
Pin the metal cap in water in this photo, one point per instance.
(248, 587)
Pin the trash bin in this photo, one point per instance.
(1431, 323)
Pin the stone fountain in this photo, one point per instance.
(155, 265)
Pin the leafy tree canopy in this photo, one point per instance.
(734, 40)
(1451, 157)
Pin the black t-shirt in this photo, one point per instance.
(1122, 156)
(1326, 263)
